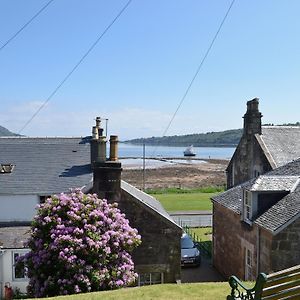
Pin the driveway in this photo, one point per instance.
(205, 273)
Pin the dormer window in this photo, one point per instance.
(6, 168)
(247, 204)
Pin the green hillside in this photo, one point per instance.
(6, 132)
(226, 138)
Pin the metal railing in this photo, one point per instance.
(203, 246)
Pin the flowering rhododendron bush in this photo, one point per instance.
(79, 243)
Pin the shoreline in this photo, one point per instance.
(164, 162)
(178, 175)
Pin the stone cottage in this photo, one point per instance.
(157, 259)
(35, 168)
(261, 148)
(256, 225)
(256, 221)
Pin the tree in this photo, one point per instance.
(79, 243)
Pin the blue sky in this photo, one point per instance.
(141, 68)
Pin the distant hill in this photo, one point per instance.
(228, 138)
(6, 132)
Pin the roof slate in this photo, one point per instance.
(44, 166)
(276, 217)
(147, 200)
(274, 183)
(282, 142)
(14, 237)
(281, 213)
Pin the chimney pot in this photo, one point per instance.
(98, 122)
(101, 153)
(98, 144)
(252, 105)
(113, 154)
(95, 133)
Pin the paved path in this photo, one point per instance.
(205, 273)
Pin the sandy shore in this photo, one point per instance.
(211, 172)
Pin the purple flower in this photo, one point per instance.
(79, 243)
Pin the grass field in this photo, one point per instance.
(185, 201)
(204, 233)
(188, 291)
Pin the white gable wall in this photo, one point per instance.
(6, 271)
(18, 207)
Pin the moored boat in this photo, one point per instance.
(189, 151)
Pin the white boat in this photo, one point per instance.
(189, 151)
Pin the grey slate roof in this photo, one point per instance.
(280, 214)
(14, 237)
(231, 199)
(275, 183)
(282, 143)
(44, 166)
(147, 200)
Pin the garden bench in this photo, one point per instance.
(284, 284)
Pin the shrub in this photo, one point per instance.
(79, 243)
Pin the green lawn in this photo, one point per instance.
(188, 291)
(204, 233)
(185, 201)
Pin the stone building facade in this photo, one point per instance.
(254, 238)
(256, 221)
(157, 259)
(261, 148)
(160, 252)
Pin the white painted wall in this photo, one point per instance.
(6, 271)
(18, 207)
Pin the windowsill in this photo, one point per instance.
(248, 222)
(20, 279)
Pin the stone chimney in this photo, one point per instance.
(252, 118)
(106, 172)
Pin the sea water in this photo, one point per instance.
(130, 150)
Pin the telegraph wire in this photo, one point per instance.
(76, 66)
(25, 25)
(200, 66)
(197, 72)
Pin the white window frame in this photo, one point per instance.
(150, 282)
(247, 205)
(19, 253)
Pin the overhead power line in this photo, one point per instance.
(76, 66)
(199, 67)
(25, 25)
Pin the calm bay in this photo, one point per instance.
(130, 150)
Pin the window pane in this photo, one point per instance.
(155, 278)
(19, 269)
(145, 279)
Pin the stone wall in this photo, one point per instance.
(247, 159)
(160, 250)
(285, 247)
(230, 239)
